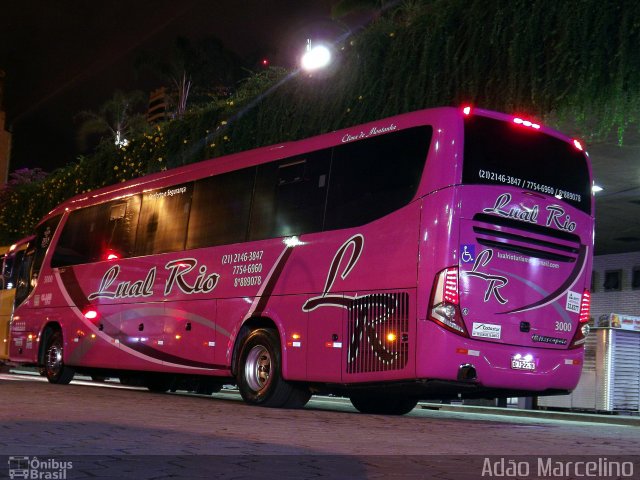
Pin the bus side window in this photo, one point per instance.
(220, 209)
(373, 177)
(78, 242)
(91, 234)
(290, 196)
(23, 274)
(120, 237)
(164, 217)
(12, 266)
(30, 267)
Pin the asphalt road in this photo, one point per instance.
(98, 430)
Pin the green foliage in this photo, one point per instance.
(117, 117)
(195, 70)
(575, 64)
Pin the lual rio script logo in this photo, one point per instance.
(556, 215)
(182, 274)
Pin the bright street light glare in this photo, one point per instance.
(315, 58)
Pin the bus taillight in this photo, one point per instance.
(111, 255)
(585, 306)
(444, 306)
(583, 327)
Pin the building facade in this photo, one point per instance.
(5, 137)
(615, 284)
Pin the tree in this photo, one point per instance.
(25, 176)
(116, 120)
(194, 69)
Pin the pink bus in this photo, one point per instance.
(439, 254)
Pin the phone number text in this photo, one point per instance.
(242, 257)
(529, 185)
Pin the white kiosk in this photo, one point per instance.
(610, 380)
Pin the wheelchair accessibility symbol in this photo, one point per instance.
(467, 253)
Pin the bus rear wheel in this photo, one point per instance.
(259, 374)
(382, 404)
(54, 368)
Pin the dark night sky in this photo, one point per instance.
(65, 56)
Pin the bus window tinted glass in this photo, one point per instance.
(497, 152)
(91, 234)
(23, 276)
(164, 217)
(79, 241)
(220, 210)
(373, 177)
(290, 196)
(122, 224)
(29, 269)
(11, 267)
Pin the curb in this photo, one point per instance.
(612, 419)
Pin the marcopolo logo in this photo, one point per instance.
(40, 469)
(486, 330)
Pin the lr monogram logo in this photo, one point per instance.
(494, 282)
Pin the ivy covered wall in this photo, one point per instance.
(575, 64)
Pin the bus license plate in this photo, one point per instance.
(521, 364)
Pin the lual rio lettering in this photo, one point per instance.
(502, 208)
(183, 276)
(556, 215)
(126, 289)
(203, 283)
(558, 218)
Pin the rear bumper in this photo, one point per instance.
(442, 390)
(441, 354)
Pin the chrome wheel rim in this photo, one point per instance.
(257, 368)
(54, 359)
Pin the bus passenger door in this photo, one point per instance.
(326, 343)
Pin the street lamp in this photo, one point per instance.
(316, 57)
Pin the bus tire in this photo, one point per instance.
(54, 368)
(382, 404)
(158, 383)
(259, 374)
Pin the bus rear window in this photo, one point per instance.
(501, 153)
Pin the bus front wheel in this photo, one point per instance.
(54, 368)
(259, 374)
(382, 404)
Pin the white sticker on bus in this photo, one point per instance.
(573, 302)
(486, 330)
